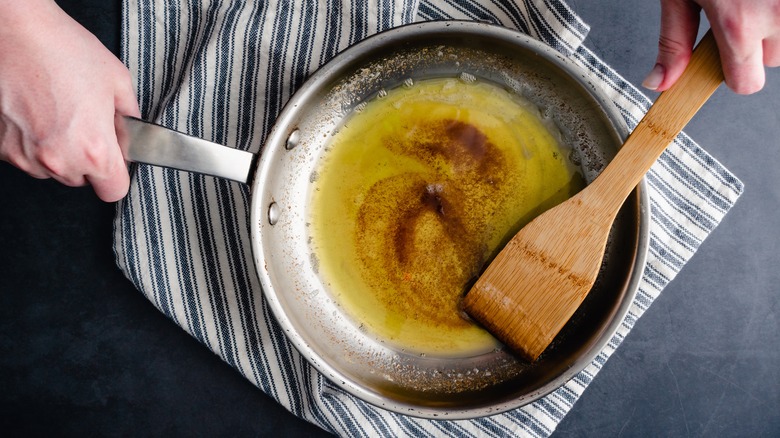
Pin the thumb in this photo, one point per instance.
(679, 26)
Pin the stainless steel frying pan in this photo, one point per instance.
(281, 187)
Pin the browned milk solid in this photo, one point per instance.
(418, 189)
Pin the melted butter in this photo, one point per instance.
(418, 191)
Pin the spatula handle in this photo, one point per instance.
(672, 110)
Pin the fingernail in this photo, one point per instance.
(654, 79)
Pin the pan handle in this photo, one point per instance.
(148, 143)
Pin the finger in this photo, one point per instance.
(113, 182)
(771, 49)
(741, 56)
(110, 189)
(99, 164)
(53, 161)
(25, 165)
(109, 176)
(105, 167)
(72, 180)
(746, 75)
(125, 100)
(37, 174)
(679, 25)
(14, 152)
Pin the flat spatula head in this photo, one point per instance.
(534, 285)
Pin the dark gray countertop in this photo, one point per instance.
(83, 353)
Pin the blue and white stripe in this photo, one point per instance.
(222, 71)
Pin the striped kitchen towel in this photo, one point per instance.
(222, 71)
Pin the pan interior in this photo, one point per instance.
(433, 386)
(419, 189)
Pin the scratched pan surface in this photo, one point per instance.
(355, 361)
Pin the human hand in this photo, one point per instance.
(747, 33)
(60, 92)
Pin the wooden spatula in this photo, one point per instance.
(534, 285)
